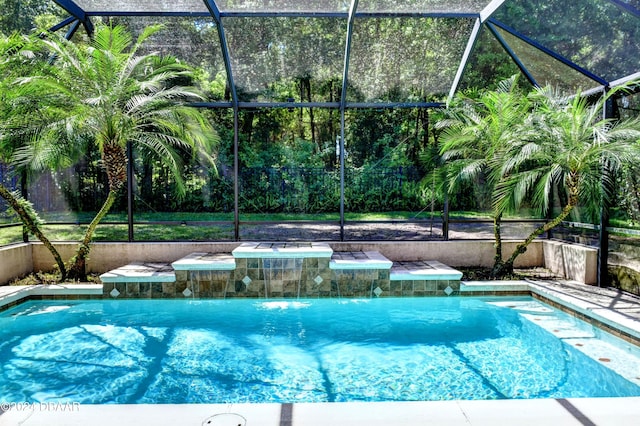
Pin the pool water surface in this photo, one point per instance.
(223, 351)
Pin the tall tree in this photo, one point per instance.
(22, 16)
(479, 128)
(566, 144)
(114, 98)
(17, 55)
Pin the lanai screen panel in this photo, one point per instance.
(193, 40)
(271, 56)
(288, 6)
(422, 6)
(139, 6)
(595, 34)
(416, 60)
(488, 64)
(547, 70)
(283, 5)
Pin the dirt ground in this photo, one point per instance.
(380, 231)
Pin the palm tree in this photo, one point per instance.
(114, 98)
(476, 133)
(16, 55)
(566, 144)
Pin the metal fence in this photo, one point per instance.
(261, 190)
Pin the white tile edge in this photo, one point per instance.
(51, 290)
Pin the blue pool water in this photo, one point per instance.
(220, 351)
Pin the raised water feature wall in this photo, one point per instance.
(272, 277)
(281, 270)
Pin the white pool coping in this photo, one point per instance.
(494, 286)
(532, 412)
(140, 272)
(368, 260)
(282, 250)
(434, 271)
(10, 294)
(205, 262)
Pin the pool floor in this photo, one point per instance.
(262, 351)
(615, 308)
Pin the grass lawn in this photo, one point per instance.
(188, 226)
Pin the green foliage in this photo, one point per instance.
(23, 16)
(524, 149)
(475, 134)
(18, 55)
(108, 97)
(287, 158)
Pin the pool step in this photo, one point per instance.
(139, 279)
(423, 270)
(424, 278)
(205, 262)
(140, 272)
(344, 260)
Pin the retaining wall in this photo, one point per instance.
(20, 259)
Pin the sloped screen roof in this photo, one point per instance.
(391, 52)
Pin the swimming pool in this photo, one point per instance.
(217, 351)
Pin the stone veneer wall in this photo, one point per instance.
(195, 284)
(142, 290)
(360, 283)
(304, 277)
(416, 288)
(624, 263)
(314, 280)
(252, 278)
(202, 284)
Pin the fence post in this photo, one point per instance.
(24, 192)
(445, 219)
(603, 236)
(130, 190)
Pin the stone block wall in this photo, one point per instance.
(203, 284)
(311, 277)
(360, 283)
(276, 278)
(417, 288)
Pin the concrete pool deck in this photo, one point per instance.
(533, 412)
(610, 307)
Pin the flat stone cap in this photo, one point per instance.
(359, 260)
(205, 262)
(140, 272)
(423, 270)
(282, 250)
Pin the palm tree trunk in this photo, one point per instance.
(114, 158)
(498, 263)
(522, 247)
(78, 269)
(31, 225)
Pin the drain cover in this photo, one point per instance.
(225, 419)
